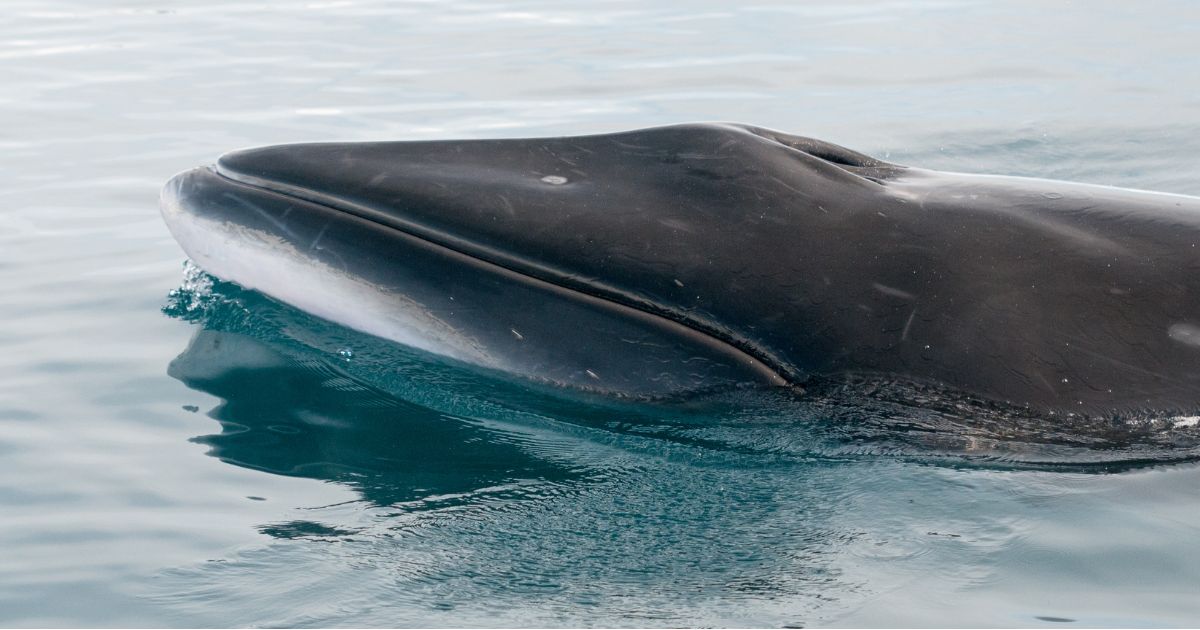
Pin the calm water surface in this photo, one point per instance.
(179, 452)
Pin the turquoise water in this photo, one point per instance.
(176, 451)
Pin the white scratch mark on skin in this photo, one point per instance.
(1078, 347)
(791, 188)
(592, 374)
(260, 212)
(317, 240)
(908, 325)
(508, 207)
(894, 292)
(1047, 384)
(516, 334)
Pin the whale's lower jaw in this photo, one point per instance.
(379, 280)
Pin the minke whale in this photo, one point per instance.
(674, 259)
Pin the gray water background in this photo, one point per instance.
(123, 500)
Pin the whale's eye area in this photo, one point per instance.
(554, 180)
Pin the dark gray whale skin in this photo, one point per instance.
(669, 259)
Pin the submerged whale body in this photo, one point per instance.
(673, 259)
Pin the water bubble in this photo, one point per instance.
(346, 354)
(194, 293)
(555, 180)
(1052, 195)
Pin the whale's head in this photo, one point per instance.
(676, 258)
(626, 194)
(622, 262)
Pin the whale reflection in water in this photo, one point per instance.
(288, 415)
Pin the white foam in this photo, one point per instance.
(1185, 421)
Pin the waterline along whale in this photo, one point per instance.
(673, 259)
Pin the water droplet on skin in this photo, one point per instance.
(554, 180)
(346, 354)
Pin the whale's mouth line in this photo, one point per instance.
(588, 286)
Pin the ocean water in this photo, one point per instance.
(177, 451)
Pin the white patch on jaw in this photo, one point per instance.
(264, 262)
(1185, 333)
